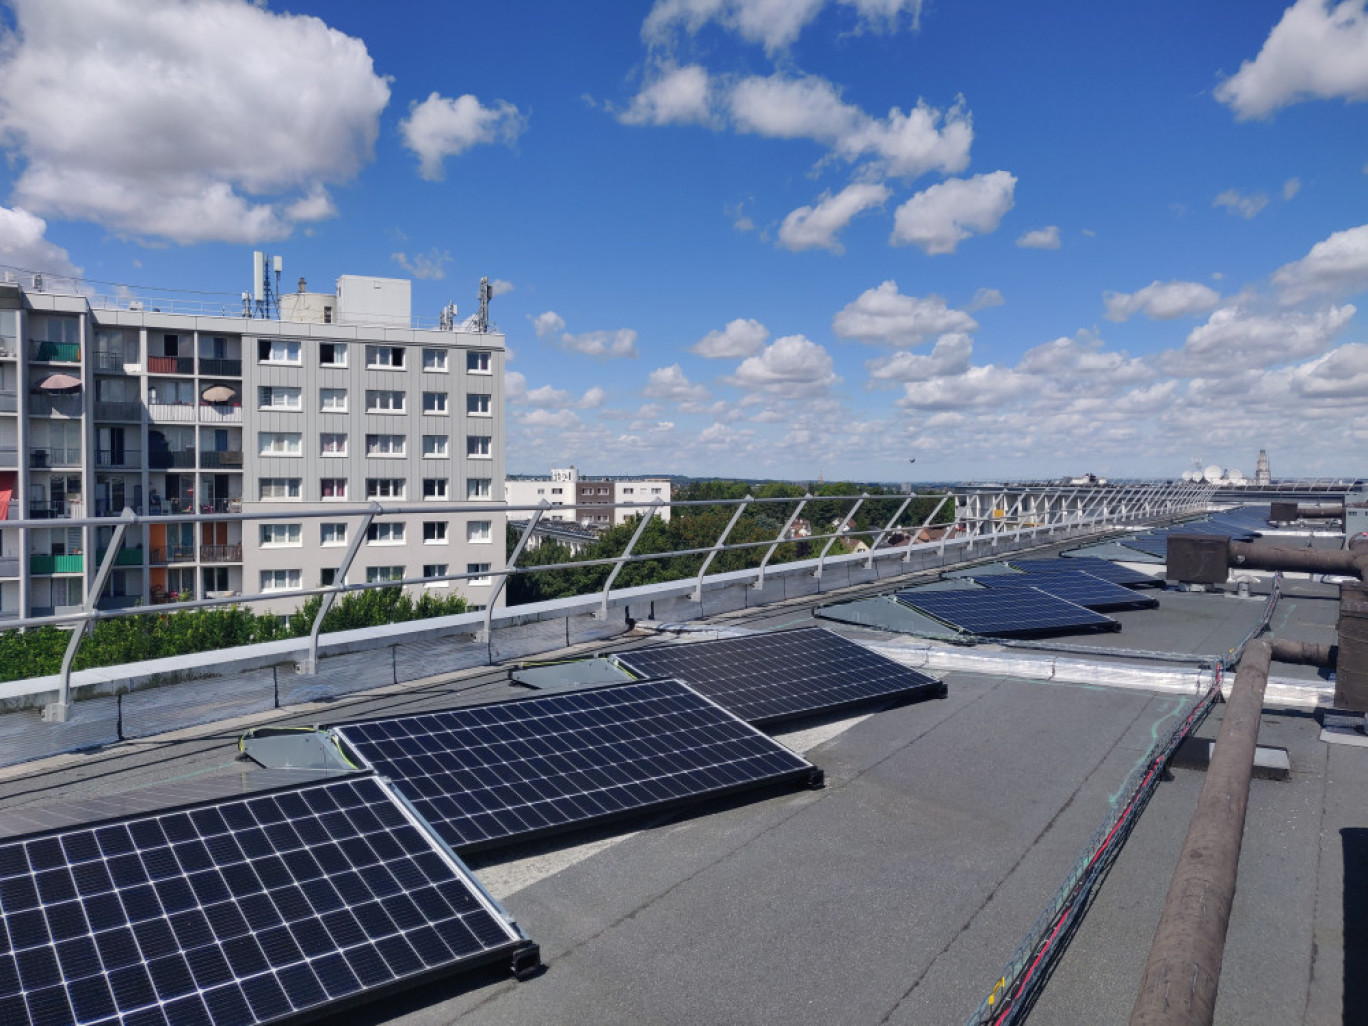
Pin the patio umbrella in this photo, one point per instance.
(218, 394)
(59, 383)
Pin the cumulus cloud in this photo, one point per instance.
(428, 266)
(441, 127)
(543, 418)
(1337, 265)
(1161, 301)
(1237, 337)
(885, 316)
(546, 396)
(548, 323)
(1318, 50)
(675, 96)
(515, 385)
(1245, 205)
(24, 244)
(950, 356)
(1040, 238)
(741, 337)
(815, 227)
(939, 218)
(1341, 374)
(984, 298)
(774, 24)
(216, 153)
(670, 383)
(989, 385)
(1291, 187)
(500, 287)
(792, 367)
(602, 345)
(1067, 359)
(593, 398)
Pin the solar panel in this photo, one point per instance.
(1077, 587)
(491, 774)
(1103, 568)
(778, 675)
(240, 912)
(1007, 613)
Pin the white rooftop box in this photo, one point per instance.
(365, 300)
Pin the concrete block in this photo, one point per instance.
(586, 627)
(834, 577)
(800, 584)
(337, 675)
(724, 600)
(772, 591)
(669, 609)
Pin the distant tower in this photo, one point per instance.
(1261, 474)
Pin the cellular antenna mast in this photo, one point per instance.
(265, 298)
(486, 294)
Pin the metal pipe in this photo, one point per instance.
(1305, 653)
(1262, 555)
(309, 664)
(783, 532)
(1184, 966)
(717, 547)
(646, 518)
(849, 518)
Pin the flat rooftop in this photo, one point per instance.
(898, 892)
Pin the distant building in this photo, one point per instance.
(589, 501)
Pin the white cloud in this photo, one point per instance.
(950, 356)
(670, 383)
(792, 367)
(602, 345)
(593, 398)
(548, 323)
(1066, 359)
(989, 385)
(515, 385)
(739, 338)
(500, 287)
(984, 298)
(1341, 374)
(1040, 238)
(1338, 264)
(884, 315)
(428, 266)
(775, 24)
(1162, 301)
(1291, 187)
(542, 418)
(1318, 50)
(145, 117)
(676, 96)
(1236, 337)
(1246, 205)
(816, 227)
(939, 218)
(441, 127)
(546, 396)
(23, 244)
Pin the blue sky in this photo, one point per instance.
(759, 237)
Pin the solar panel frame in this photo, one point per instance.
(235, 912)
(1103, 568)
(1078, 587)
(999, 613)
(482, 784)
(714, 667)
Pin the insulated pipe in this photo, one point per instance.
(1261, 555)
(1184, 967)
(1307, 653)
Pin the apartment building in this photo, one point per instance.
(589, 501)
(105, 405)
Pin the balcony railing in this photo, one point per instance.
(124, 557)
(213, 413)
(113, 362)
(9, 456)
(174, 554)
(171, 365)
(45, 564)
(41, 404)
(220, 368)
(41, 459)
(221, 553)
(58, 352)
(179, 458)
(46, 510)
(221, 506)
(9, 566)
(9, 402)
(126, 459)
(166, 507)
(221, 458)
(118, 410)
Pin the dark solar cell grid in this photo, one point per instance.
(766, 678)
(492, 774)
(1103, 568)
(1007, 613)
(244, 912)
(1077, 587)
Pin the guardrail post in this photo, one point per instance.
(646, 518)
(907, 554)
(821, 558)
(486, 631)
(717, 547)
(760, 580)
(309, 664)
(60, 710)
(869, 563)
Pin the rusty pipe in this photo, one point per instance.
(1184, 966)
(1262, 555)
(1307, 653)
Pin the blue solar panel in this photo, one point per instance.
(1007, 613)
(1103, 568)
(1077, 587)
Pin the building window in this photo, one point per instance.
(275, 350)
(478, 532)
(333, 488)
(477, 404)
(332, 534)
(435, 570)
(434, 488)
(434, 402)
(477, 363)
(376, 574)
(385, 487)
(385, 357)
(278, 397)
(480, 569)
(435, 446)
(274, 488)
(332, 354)
(478, 487)
(389, 532)
(282, 580)
(385, 445)
(332, 443)
(435, 360)
(655, 491)
(280, 443)
(327, 577)
(332, 400)
(478, 446)
(281, 534)
(384, 401)
(435, 532)
(627, 491)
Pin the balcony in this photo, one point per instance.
(173, 554)
(46, 510)
(57, 352)
(119, 459)
(171, 413)
(41, 404)
(125, 557)
(9, 402)
(221, 553)
(177, 458)
(9, 566)
(45, 564)
(43, 459)
(221, 506)
(118, 411)
(114, 362)
(215, 413)
(221, 459)
(217, 368)
(9, 456)
(171, 365)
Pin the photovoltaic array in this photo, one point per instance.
(774, 676)
(1074, 586)
(1008, 612)
(507, 771)
(251, 911)
(1103, 568)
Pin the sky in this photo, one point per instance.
(758, 238)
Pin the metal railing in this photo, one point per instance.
(217, 367)
(119, 459)
(106, 410)
(173, 554)
(221, 553)
(41, 459)
(216, 459)
(171, 365)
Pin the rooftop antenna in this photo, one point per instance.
(266, 299)
(486, 294)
